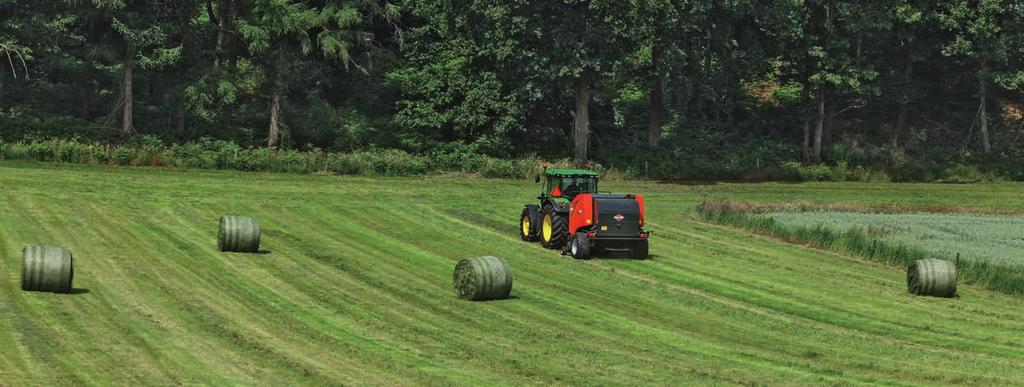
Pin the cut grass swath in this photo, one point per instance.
(360, 292)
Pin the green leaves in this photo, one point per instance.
(333, 29)
(273, 21)
(15, 55)
(211, 92)
(988, 33)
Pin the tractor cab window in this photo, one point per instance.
(570, 186)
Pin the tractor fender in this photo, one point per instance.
(582, 215)
(558, 207)
(643, 208)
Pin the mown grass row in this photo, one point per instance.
(858, 241)
(357, 289)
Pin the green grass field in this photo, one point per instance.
(356, 289)
(994, 239)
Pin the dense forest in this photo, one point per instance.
(664, 88)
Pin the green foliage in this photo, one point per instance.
(841, 171)
(960, 173)
(726, 88)
(272, 20)
(209, 153)
(145, 41)
(211, 92)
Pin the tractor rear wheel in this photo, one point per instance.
(581, 246)
(554, 228)
(640, 250)
(529, 222)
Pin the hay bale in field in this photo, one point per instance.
(482, 278)
(932, 277)
(46, 269)
(239, 234)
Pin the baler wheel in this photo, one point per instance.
(640, 250)
(581, 246)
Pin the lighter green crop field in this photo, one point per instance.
(995, 239)
(356, 289)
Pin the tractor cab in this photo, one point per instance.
(567, 183)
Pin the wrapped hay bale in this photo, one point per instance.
(932, 277)
(46, 269)
(239, 234)
(482, 278)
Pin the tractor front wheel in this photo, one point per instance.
(529, 221)
(554, 228)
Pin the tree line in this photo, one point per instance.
(618, 81)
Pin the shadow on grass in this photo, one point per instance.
(509, 298)
(77, 291)
(264, 252)
(614, 256)
(696, 183)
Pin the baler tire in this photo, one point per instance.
(640, 250)
(581, 246)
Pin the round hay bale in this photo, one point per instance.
(46, 269)
(482, 278)
(932, 277)
(239, 234)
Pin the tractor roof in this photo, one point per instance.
(569, 172)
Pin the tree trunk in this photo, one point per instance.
(275, 111)
(818, 129)
(227, 113)
(655, 113)
(86, 89)
(274, 133)
(222, 54)
(822, 118)
(179, 112)
(127, 126)
(901, 125)
(184, 20)
(830, 121)
(807, 140)
(218, 49)
(986, 144)
(581, 124)
(901, 117)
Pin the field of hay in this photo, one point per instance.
(995, 239)
(356, 288)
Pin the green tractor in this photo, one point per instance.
(575, 217)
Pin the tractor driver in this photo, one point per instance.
(572, 189)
